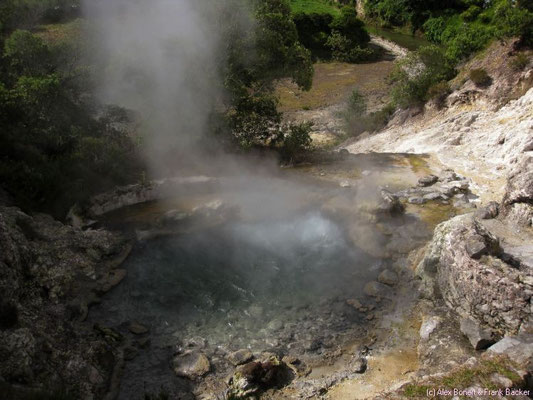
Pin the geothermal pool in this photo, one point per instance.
(265, 264)
(262, 285)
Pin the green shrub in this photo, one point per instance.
(313, 32)
(414, 75)
(466, 39)
(438, 93)
(480, 77)
(433, 28)
(358, 120)
(343, 49)
(296, 140)
(471, 13)
(519, 62)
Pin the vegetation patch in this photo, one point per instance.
(480, 77)
(314, 7)
(464, 377)
(519, 62)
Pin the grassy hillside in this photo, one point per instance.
(313, 6)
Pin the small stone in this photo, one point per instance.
(375, 289)
(137, 329)
(275, 325)
(359, 366)
(476, 247)
(355, 304)
(427, 180)
(501, 381)
(388, 277)
(479, 338)
(434, 196)
(240, 357)
(345, 184)
(490, 211)
(416, 200)
(191, 365)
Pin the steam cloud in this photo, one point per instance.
(161, 58)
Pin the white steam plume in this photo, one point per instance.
(160, 58)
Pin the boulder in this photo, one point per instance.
(428, 180)
(517, 204)
(191, 365)
(490, 211)
(465, 266)
(255, 377)
(137, 328)
(389, 204)
(479, 337)
(388, 277)
(376, 289)
(517, 348)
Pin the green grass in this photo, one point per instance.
(466, 377)
(314, 6)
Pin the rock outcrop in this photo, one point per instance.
(49, 275)
(465, 265)
(517, 204)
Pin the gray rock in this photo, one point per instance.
(479, 338)
(389, 204)
(376, 289)
(388, 277)
(427, 180)
(490, 211)
(191, 365)
(240, 357)
(416, 200)
(359, 365)
(449, 176)
(517, 204)
(483, 288)
(518, 348)
(136, 328)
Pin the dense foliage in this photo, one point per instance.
(463, 26)
(342, 37)
(56, 145)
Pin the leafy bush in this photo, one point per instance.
(313, 31)
(414, 75)
(471, 13)
(479, 77)
(433, 28)
(519, 62)
(358, 120)
(464, 40)
(343, 49)
(296, 140)
(349, 39)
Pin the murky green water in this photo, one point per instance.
(410, 42)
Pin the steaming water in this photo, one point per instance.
(259, 285)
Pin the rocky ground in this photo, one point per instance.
(50, 274)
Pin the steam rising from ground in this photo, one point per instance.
(161, 58)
